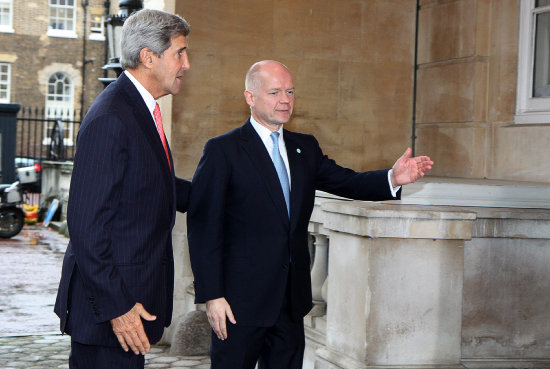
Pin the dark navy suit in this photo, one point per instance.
(243, 246)
(122, 203)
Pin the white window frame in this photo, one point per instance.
(8, 28)
(97, 33)
(67, 33)
(65, 106)
(7, 99)
(529, 109)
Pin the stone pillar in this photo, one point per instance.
(319, 275)
(395, 286)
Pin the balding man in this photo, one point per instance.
(252, 197)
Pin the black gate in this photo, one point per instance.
(45, 135)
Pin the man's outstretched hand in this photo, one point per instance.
(129, 330)
(408, 170)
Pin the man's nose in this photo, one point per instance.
(186, 64)
(285, 98)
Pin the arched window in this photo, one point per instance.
(59, 98)
(60, 104)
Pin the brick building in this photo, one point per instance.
(44, 59)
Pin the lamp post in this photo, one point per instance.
(113, 27)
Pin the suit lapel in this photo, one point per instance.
(294, 154)
(255, 148)
(145, 120)
(146, 123)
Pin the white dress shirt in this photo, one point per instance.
(146, 95)
(265, 135)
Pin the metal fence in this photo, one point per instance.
(45, 135)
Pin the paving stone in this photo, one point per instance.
(186, 363)
(164, 359)
(52, 351)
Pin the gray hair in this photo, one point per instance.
(152, 29)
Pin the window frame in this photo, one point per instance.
(66, 33)
(94, 35)
(8, 89)
(529, 109)
(8, 28)
(67, 112)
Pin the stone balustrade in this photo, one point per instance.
(395, 278)
(399, 285)
(422, 286)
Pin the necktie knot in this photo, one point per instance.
(275, 138)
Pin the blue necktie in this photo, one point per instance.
(281, 170)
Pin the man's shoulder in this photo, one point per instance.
(302, 138)
(112, 101)
(229, 136)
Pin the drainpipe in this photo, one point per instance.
(415, 73)
(84, 60)
(107, 6)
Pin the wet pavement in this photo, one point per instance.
(30, 266)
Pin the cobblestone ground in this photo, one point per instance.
(51, 351)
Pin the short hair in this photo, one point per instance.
(152, 29)
(251, 81)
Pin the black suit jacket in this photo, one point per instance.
(122, 203)
(243, 246)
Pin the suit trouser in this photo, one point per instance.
(278, 347)
(102, 357)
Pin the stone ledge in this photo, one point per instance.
(472, 192)
(511, 363)
(379, 220)
(469, 192)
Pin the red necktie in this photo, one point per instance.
(160, 130)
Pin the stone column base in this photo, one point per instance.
(509, 363)
(329, 359)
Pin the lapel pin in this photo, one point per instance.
(298, 151)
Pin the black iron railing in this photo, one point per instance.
(45, 135)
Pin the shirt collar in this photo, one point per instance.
(145, 95)
(264, 132)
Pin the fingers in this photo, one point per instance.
(144, 313)
(407, 154)
(129, 331)
(218, 311)
(230, 315)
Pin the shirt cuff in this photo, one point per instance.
(392, 189)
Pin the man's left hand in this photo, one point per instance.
(408, 170)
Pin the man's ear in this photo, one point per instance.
(146, 57)
(249, 97)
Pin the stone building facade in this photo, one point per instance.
(42, 44)
(461, 81)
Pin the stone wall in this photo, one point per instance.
(352, 65)
(353, 69)
(467, 78)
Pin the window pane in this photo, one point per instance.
(541, 3)
(541, 70)
(5, 9)
(62, 15)
(4, 82)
